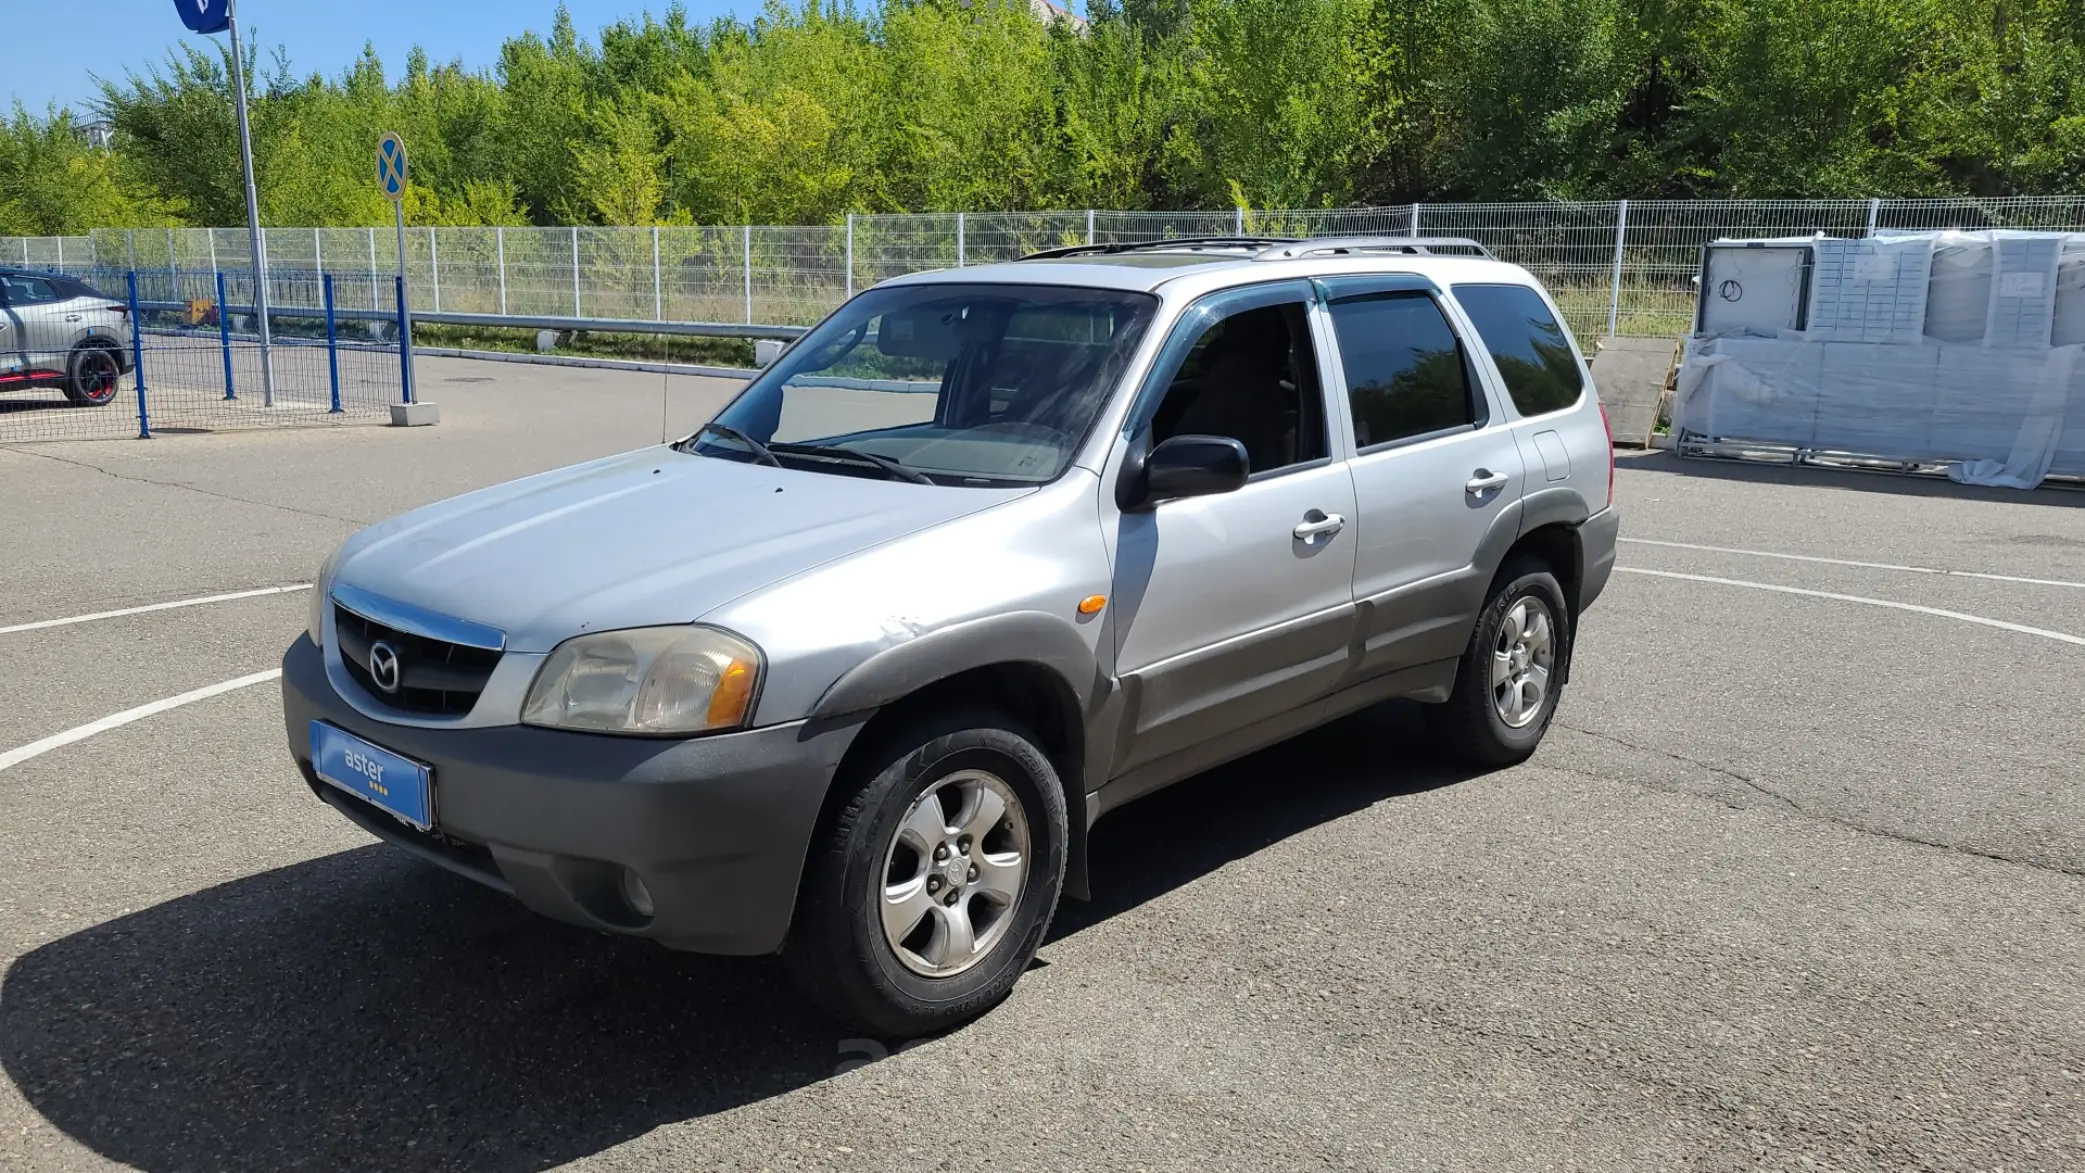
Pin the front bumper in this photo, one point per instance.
(717, 827)
(1596, 543)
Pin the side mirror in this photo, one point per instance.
(1184, 466)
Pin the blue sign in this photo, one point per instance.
(373, 774)
(390, 166)
(205, 16)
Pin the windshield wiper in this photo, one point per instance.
(885, 463)
(760, 451)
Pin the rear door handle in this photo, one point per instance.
(1316, 524)
(1484, 481)
(72, 317)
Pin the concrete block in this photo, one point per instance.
(415, 415)
(1630, 373)
(766, 350)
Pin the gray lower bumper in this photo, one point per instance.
(1596, 538)
(717, 827)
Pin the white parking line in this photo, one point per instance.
(224, 598)
(2055, 582)
(15, 757)
(1862, 599)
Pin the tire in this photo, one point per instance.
(92, 376)
(870, 855)
(1494, 718)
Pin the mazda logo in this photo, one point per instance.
(383, 666)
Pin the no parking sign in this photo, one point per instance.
(390, 165)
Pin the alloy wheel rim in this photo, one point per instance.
(953, 873)
(98, 376)
(1522, 660)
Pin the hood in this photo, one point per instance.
(648, 537)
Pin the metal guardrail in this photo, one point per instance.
(516, 321)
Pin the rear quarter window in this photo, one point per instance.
(1533, 353)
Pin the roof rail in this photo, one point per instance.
(1188, 243)
(1423, 246)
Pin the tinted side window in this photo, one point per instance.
(1405, 371)
(1540, 368)
(1252, 376)
(28, 291)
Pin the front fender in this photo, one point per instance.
(1019, 637)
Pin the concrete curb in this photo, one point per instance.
(605, 364)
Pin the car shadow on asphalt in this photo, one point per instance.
(12, 404)
(364, 1011)
(1858, 480)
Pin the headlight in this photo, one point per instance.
(321, 587)
(648, 680)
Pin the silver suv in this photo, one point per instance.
(56, 331)
(849, 672)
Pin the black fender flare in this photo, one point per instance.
(1017, 637)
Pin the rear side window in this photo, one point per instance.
(1405, 371)
(1532, 352)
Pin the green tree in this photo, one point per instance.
(51, 183)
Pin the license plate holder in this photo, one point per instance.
(391, 782)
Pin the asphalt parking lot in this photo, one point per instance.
(1797, 880)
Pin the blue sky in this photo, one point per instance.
(52, 50)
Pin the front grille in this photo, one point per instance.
(435, 677)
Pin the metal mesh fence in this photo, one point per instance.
(189, 358)
(1621, 267)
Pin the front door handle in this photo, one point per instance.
(1318, 524)
(1484, 481)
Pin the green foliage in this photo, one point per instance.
(51, 183)
(817, 108)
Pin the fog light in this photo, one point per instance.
(636, 895)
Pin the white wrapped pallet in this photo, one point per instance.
(1959, 347)
(2023, 289)
(1958, 300)
(2068, 327)
(1762, 389)
(1876, 397)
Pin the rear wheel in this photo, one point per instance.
(931, 890)
(1507, 686)
(92, 376)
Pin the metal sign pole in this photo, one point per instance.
(405, 312)
(253, 213)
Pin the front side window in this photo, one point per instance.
(1406, 375)
(1249, 375)
(28, 291)
(1533, 353)
(961, 384)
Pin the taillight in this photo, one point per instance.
(121, 309)
(1609, 427)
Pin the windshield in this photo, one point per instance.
(961, 384)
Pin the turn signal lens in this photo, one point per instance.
(728, 705)
(1091, 604)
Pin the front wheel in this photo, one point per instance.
(1507, 686)
(92, 376)
(932, 888)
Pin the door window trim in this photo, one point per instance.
(1333, 290)
(1187, 329)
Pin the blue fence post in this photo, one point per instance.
(137, 354)
(332, 342)
(405, 343)
(224, 336)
